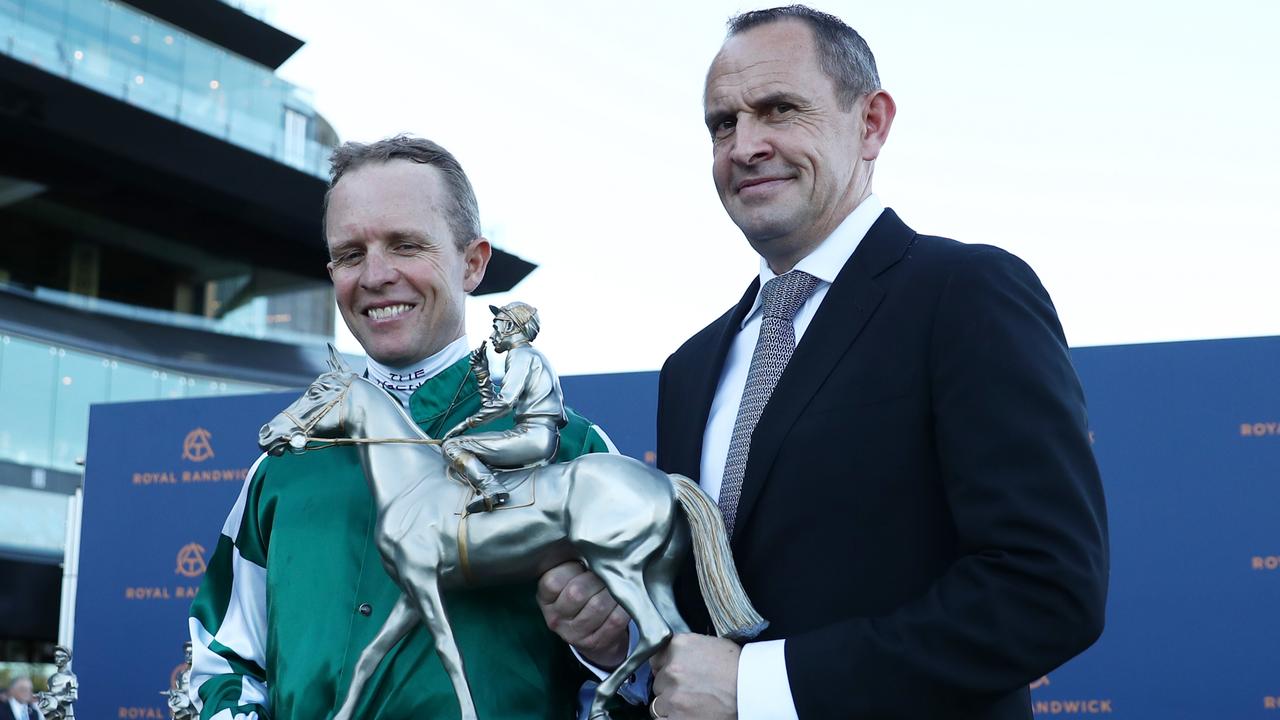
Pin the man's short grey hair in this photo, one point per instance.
(13, 681)
(464, 211)
(842, 53)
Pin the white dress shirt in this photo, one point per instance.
(764, 692)
(20, 711)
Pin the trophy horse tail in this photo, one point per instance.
(731, 611)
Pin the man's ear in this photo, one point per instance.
(878, 110)
(476, 260)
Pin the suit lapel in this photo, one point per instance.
(706, 379)
(849, 304)
(687, 430)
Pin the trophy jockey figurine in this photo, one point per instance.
(178, 697)
(530, 393)
(64, 689)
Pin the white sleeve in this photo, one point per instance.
(228, 621)
(764, 691)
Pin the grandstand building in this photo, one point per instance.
(160, 191)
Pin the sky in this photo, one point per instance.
(1128, 151)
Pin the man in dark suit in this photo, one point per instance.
(890, 422)
(20, 705)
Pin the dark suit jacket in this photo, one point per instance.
(7, 714)
(921, 516)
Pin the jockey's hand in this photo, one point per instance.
(480, 356)
(457, 429)
(578, 608)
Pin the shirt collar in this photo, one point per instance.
(403, 381)
(826, 260)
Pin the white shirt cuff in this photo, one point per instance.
(764, 691)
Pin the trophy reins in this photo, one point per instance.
(301, 440)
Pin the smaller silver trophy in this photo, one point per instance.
(177, 697)
(64, 689)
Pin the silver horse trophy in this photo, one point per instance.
(613, 513)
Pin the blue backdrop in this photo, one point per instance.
(1187, 435)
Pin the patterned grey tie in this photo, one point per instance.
(782, 298)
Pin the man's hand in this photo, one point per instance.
(578, 608)
(696, 676)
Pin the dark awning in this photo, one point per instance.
(226, 26)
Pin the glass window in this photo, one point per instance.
(128, 382)
(45, 15)
(37, 41)
(163, 81)
(87, 42)
(119, 51)
(175, 385)
(126, 38)
(41, 524)
(81, 379)
(26, 394)
(86, 19)
(255, 119)
(202, 387)
(9, 14)
(126, 33)
(295, 138)
(207, 387)
(234, 388)
(203, 94)
(318, 158)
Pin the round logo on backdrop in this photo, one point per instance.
(191, 560)
(196, 446)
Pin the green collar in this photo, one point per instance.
(435, 405)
